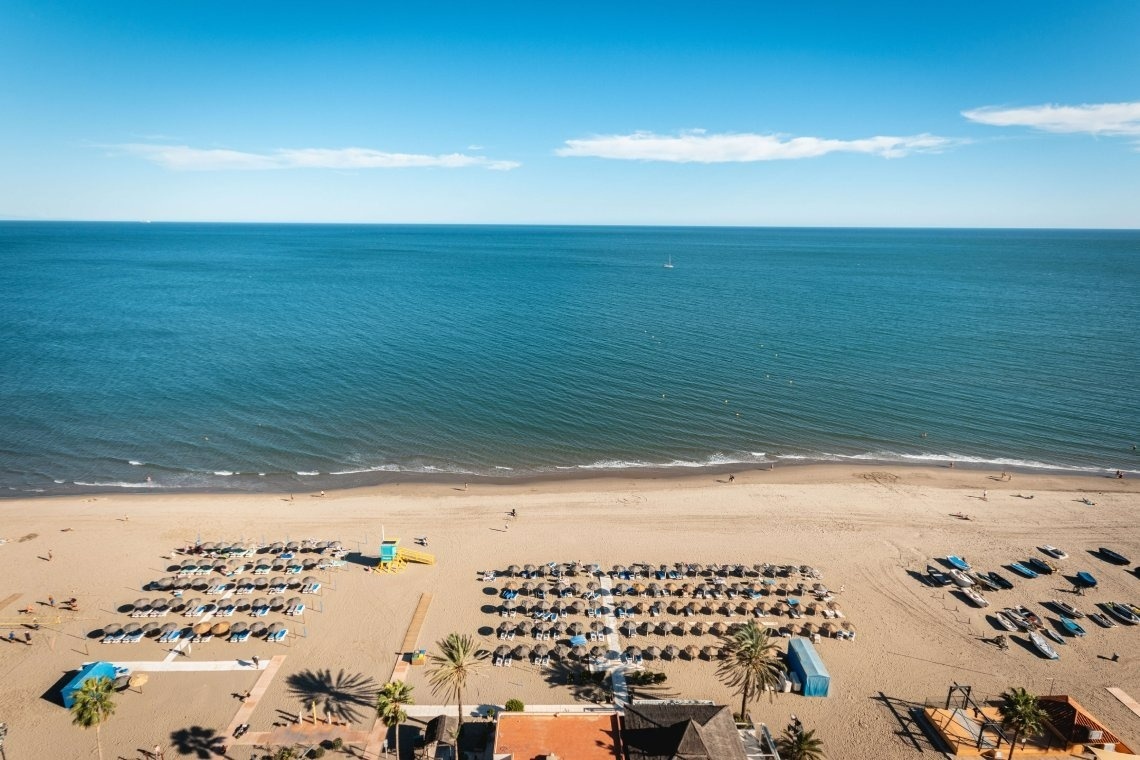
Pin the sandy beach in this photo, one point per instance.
(869, 532)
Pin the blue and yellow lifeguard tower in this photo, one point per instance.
(394, 558)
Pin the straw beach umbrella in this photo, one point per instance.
(521, 651)
(239, 627)
(691, 651)
(632, 650)
(201, 629)
(669, 652)
(653, 651)
(220, 629)
(256, 629)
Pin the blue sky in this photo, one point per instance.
(868, 114)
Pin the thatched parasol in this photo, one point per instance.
(220, 628)
(256, 629)
(202, 629)
(670, 652)
(653, 651)
(521, 651)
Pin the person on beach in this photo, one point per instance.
(51, 600)
(985, 495)
(256, 661)
(731, 478)
(50, 556)
(27, 638)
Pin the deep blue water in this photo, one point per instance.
(291, 356)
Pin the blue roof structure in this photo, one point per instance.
(89, 671)
(805, 662)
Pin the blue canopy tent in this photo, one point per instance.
(804, 661)
(89, 671)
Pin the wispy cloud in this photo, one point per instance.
(1093, 119)
(696, 146)
(186, 158)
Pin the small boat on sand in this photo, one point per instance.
(937, 577)
(1055, 636)
(1016, 618)
(1054, 552)
(960, 579)
(1101, 620)
(1021, 569)
(1066, 609)
(976, 598)
(1121, 612)
(1072, 626)
(960, 563)
(1005, 622)
(1043, 646)
(999, 580)
(1042, 566)
(1115, 558)
(983, 581)
(1086, 579)
(1029, 615)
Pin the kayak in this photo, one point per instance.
(937, 577)
(1086, 579)
(1114, 557)
(1022, 569)
(1043, 645)
(1041, 565)
(1000, 580)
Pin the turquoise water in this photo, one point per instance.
(293, 356)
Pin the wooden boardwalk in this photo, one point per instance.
(411, 639)
(1126, 700)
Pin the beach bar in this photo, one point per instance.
(805, 663)
(89, 671)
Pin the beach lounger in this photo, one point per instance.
(202, 639)
(312, 588)
(278, 588)
(497, 662)
(113, 638)
(296, 609)
(195, 612)
(278, 636)
(226, 610)
(240, 636)
(244, 589)
(133, 637)
(508, 661)
(259, 611)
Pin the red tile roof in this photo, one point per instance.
(571, 736)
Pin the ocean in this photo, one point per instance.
(291, 357)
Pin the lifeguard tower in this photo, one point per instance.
(394, 558)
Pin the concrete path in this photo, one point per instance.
(268, 671)
(209, 616)
(189, 666)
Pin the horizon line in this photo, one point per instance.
(17, 220)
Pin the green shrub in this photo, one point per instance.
(515, 705)
(316, 752)
(338, 744)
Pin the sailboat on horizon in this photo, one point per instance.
(669, 263)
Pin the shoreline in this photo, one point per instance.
(795, 473)
(766, 471)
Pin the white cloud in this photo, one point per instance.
(185, 158)
(1093, 119)
(695, 146)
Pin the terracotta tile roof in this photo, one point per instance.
(573, 736)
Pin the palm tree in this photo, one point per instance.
(752, 664)
(799, 745)
(93, 706)
(390, 703)
(457, 661)
(1021, 711)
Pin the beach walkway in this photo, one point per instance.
(617, 668)
(411, 639)
(1126, 700)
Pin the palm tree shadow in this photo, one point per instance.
(198, 741)
(584, 685)
(341, 696)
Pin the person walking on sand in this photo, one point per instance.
(731, 478)
(49, 555)
(51, 600)
(256, 661)
(985, 495)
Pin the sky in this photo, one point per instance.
(965, 114)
